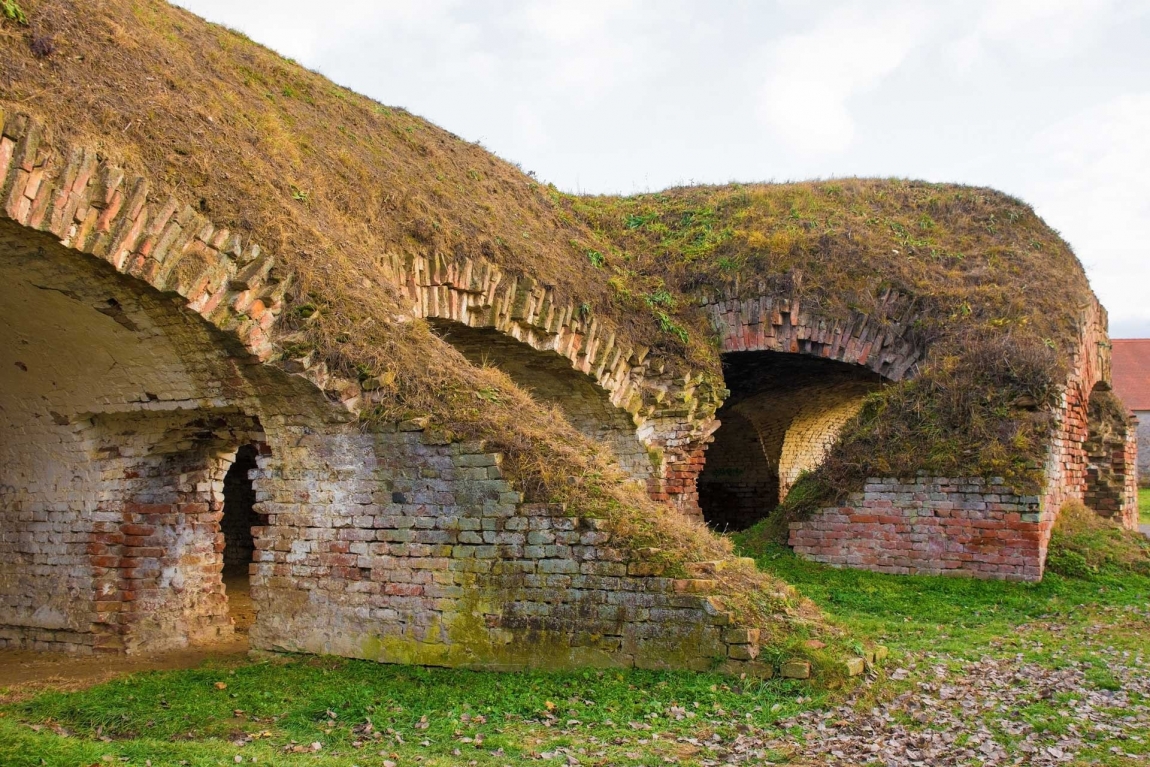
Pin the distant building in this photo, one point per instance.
(1131, 375)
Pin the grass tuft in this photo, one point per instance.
(1084, 544)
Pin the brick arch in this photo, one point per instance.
(671, 413)
(551, 379)
(133, 364)
(93, 207)
(881, 342)
(879, 346)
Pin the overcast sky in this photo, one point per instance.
(1048, 100)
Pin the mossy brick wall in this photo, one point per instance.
(399, 546)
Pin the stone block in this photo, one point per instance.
(741, 635)
(795, 669)
(854, 666)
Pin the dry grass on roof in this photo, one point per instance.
(279, 153)
(329, 180)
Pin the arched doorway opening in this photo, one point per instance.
(784, 413)
(237, 526)
(1109, 488)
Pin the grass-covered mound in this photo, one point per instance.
(329, 180)
(1084, 544)
(997, 297)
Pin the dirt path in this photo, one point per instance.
(24, 672)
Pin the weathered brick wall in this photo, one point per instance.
(1132, 476)
(931, 526)
(156, 547)
(120, 415)
(402, 547)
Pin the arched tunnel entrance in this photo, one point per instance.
(128, 432)
(237, 523)
(550, 378)
(784, 413)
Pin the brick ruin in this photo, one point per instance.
(971, 526)
(152, 435)
(147, 423)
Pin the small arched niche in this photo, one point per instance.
(1108, 483)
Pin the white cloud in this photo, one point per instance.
(811, 77)
(1038, 30)
(1092, 180)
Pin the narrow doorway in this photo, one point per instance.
(239, 517)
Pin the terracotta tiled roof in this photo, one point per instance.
(1130, 371)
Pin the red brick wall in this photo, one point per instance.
(931, 526)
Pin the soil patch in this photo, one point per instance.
(24, 673)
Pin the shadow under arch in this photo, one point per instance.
(550, 378)
(784, 413)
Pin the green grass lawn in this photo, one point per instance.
(209, 715)
(1144, 506)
